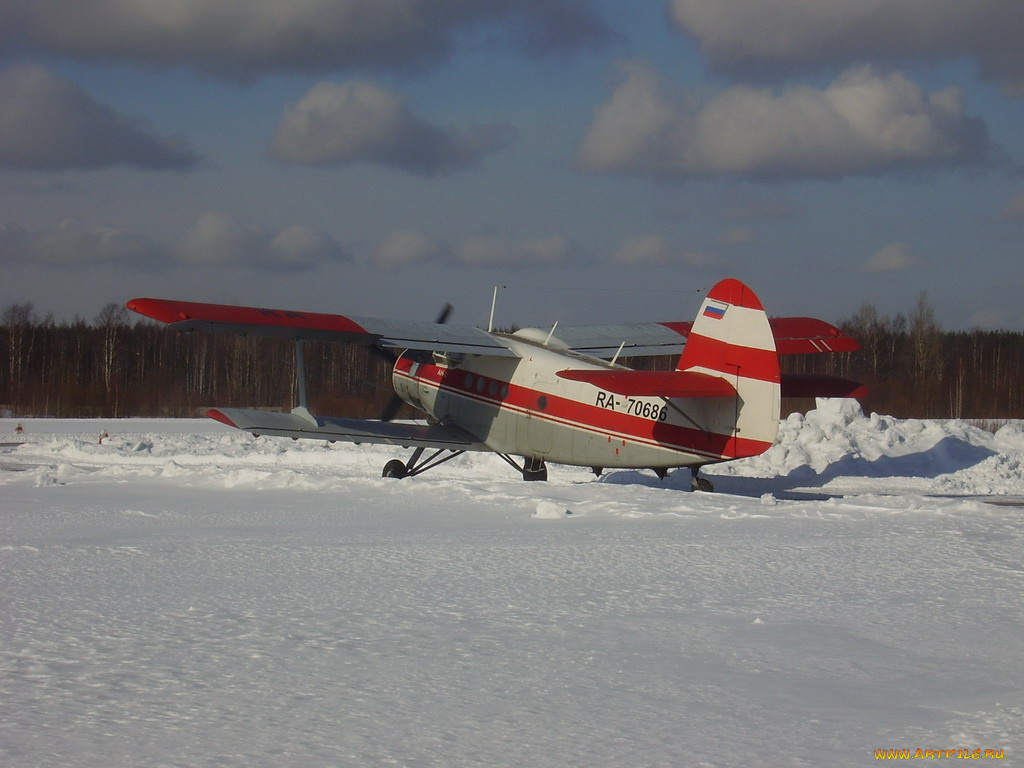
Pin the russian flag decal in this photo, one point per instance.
(715, 311)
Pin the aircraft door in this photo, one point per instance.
(536, 431)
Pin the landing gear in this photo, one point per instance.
(396, 469)
(535, 469)
(698, 483)
(399, 469)
(531, 469)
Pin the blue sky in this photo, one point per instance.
(605, 160)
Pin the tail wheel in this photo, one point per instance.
(396, 469)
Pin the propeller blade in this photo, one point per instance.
(384, 354)
(442, 318)
(392, 408)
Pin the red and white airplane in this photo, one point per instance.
(555, 395)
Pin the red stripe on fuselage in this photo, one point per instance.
(583, 416)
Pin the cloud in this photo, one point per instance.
(339, 124)
(48, 123)
(864, 123)
(894, 257)
(242, 40)
(753, 38)
(656, 250)
(73, 243)
(404, 249)
(217, 239)
(214, 240)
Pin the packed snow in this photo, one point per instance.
(176, 593)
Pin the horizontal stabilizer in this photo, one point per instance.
(814, 385)
(653, 383)
(301, 424)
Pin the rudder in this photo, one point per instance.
(732, 339)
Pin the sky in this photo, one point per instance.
(601, 161)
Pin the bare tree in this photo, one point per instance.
(112, 321)
(19, 320)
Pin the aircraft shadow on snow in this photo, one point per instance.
(948, 455)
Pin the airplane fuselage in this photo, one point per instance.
(520, 406)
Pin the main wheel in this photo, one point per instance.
(701, 484)
(395, 468)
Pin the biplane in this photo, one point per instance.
(560, 395)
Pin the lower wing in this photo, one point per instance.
(300, 423)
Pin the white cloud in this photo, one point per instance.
(404, 249)
(302, 247)
(864, 123)
(48, 123)
(894, 257)
(246, 39)
(337, 124)
(756, 38)
(217, 239)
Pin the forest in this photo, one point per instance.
(114, 367)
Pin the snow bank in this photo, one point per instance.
(834, 448)
(837, 448)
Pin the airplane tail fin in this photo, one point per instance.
(733, 340)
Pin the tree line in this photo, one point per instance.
(915, 369)
(112, 367)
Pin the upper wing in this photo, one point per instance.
(300, 423)
(793, 336)
(315, 326)
(635, 339)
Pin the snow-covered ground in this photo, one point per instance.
(182, 594)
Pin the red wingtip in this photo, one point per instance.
(216, 415)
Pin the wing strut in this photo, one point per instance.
(398, 469)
